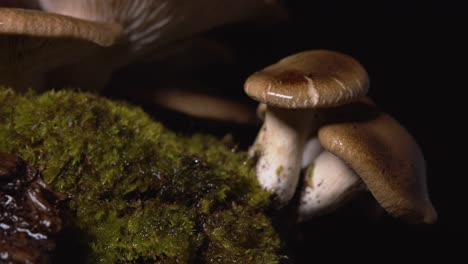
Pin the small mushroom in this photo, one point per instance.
(35, 43)
(380, 153)
(292, 89)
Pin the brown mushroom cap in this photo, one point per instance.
(384, 155)
(151, 25)
(40, 24)
(35, 43)
(310, 79)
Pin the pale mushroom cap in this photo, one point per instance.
(384, 155)
(310, 79)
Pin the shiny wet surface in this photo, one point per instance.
(29, 218)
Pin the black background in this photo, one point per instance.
(415, 57)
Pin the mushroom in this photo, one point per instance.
(367, 147)
(151, 25)
(63, 42)
(36, 43)
(292, 89)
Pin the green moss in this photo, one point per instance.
(138, 192)
(279, 170)
(310, 175)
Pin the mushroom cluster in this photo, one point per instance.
(318, 120)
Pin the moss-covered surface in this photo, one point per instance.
(138, 192)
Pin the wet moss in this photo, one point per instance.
(138, 192)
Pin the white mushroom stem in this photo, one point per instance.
(311, 151)
(312, 147)
(284, 135)
(329, 183)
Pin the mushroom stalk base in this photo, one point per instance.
(329, 183)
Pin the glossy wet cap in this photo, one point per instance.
(384, 155)
(310, 79)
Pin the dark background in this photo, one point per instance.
(415, 57)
